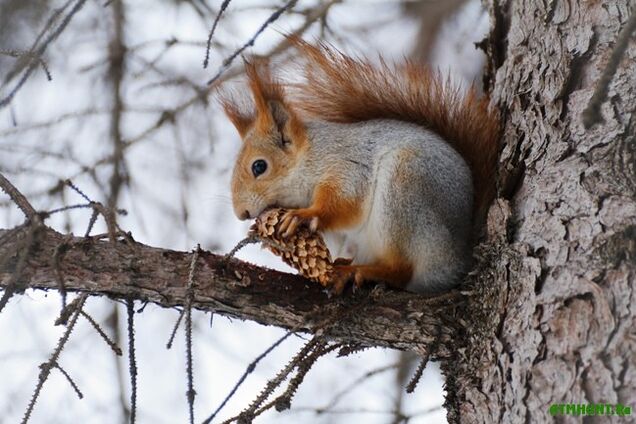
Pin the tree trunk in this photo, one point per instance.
(556, 320)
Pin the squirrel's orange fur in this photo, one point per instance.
(339, 88)
(333, 211)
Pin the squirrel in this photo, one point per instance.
(390, 162)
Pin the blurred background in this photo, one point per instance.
(113, 96)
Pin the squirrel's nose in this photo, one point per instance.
(245, 215)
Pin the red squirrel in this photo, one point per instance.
(391, 163)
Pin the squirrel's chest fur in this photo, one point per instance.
(363, 243)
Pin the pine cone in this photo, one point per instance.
(304, 250)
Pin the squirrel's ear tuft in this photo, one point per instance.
(241, 119)
(264, 89)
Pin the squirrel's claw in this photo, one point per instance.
(288, 225)
(294, 219)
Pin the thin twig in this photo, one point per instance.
(22, 54)
(111, 343)
(174, 329)
(283, 402)
(17, 197)
(355, 383)
(428, 351)
(70, 380)
(91, 222)
(66, 313)
(68, 208)
(592, 113)
(275, 382)
(49, 23)
(224, 6)
(230, 59)
(241, 244)
(253, 238)
(190, 394)
(77, 190)
(40, 51)
(132, 362)
(107, 212)
(250, 368)
(121, 369)
(45, 368)
(410, 388)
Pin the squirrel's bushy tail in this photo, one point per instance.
(339, 88)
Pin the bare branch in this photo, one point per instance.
(190, 393)
(250, 412)
(70, 380)
(283, 401)
(102, 334)
(132, 361)
(224, 6)
(250, 368)
(350, 387)
(174, 330)
(40, 50)
(17, 197)
(230, 59)
(410, 388)
(45, 368)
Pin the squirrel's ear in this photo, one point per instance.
(289, 125)
(279, 112)
(272, 111)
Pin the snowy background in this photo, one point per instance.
(177, 195)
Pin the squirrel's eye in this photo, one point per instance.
(258, 167)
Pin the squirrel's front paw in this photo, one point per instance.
(296, 218)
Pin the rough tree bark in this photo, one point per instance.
(556, 321)
(547, 316)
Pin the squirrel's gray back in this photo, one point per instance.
(417, 191)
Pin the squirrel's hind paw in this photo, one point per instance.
(342, 274)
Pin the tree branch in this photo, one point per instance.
(17, 197)
(127, 269)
